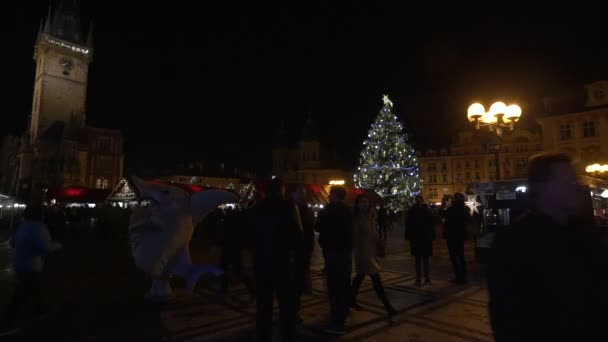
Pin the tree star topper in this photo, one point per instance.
(387, 101)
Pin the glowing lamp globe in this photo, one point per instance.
(513, 112)
(489, 118)
(498, 108)
(475, 111)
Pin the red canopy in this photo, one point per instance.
(79, 195)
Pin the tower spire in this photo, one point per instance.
(47, 23)
(66, 23)
(90, 35)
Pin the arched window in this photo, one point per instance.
(98, 183)
(105, 184)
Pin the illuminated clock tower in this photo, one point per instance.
(62, 59)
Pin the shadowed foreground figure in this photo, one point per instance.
(335, 227)
(547, 276)
(160, 234)
(277, 237)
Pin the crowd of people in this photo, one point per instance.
(544, 277)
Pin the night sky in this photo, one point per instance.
(213, 82)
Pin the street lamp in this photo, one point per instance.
(500, 115)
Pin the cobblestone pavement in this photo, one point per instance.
(439, 312)
(96, 294)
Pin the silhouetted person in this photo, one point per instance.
(366, 238)
(420, 231)
(455, 232)
(56, 222)
(335, 227)
(547, 275)
(277, 237)
(235, 241)
(307, 218)
(31, 243)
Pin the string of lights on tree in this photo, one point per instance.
(387, 163)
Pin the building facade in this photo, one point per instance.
(472, 158)
(58, 148)
(582, 133)
(306, 161)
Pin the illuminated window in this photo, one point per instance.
(104, 185)
(98, 183)
(433, 179)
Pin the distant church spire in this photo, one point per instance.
(309, 131)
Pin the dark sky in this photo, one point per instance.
(213, 82)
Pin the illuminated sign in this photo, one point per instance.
(336, 182)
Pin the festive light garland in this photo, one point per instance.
(388, 163)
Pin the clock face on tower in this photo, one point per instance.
(67, 64)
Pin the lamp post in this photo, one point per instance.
(498, 117)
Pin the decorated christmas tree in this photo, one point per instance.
(388, 164)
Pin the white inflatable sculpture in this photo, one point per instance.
(160, 234)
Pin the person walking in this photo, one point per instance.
(455, 232)
(366, 238)
(31, 242)
(277, 235)
(335, 227)
(420, 231)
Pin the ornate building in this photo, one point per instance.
(306, 161)
(58, 148)
(472, 157)
(581, 130)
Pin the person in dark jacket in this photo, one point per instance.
(546, 276)
(277, 237)
(420, 231)
(307, 218)
(455, 232)
(31, 243)
(335, 227)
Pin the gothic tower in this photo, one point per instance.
(62, 59)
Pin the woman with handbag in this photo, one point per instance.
(366, 239)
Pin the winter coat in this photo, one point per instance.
(31, 243)
(277, 235)
(456, 219)
(365, 239)
(335, 227)
(420, 230)
(547, 282)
